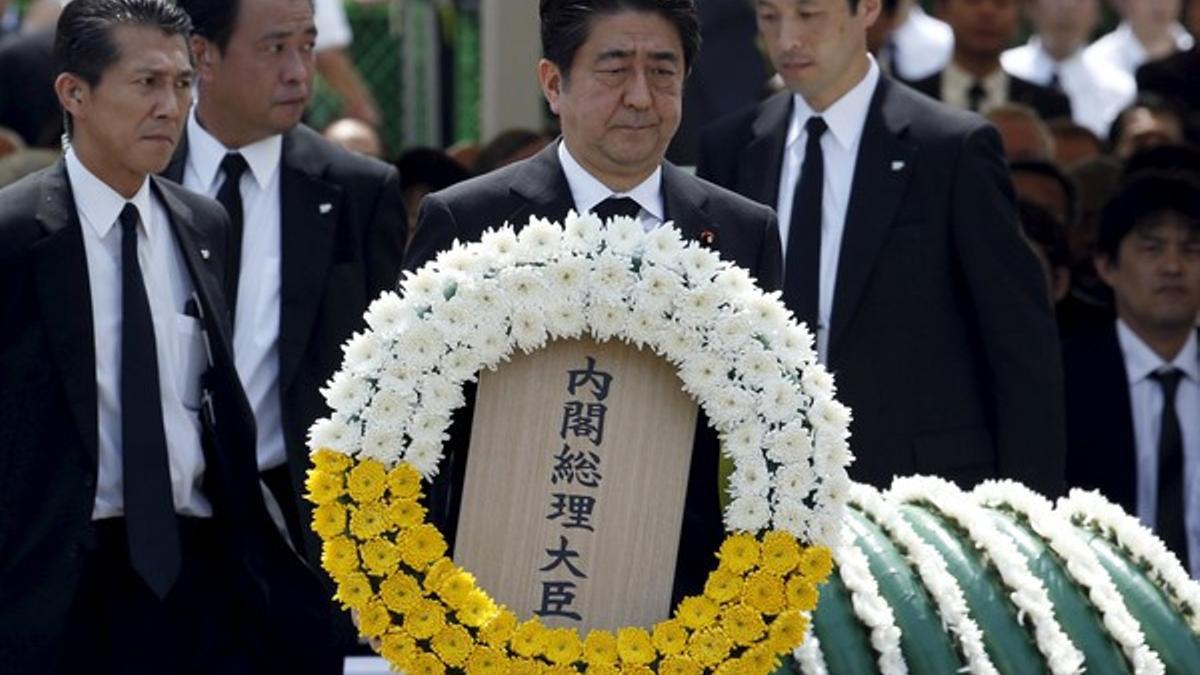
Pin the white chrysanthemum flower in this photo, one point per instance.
(663, 246)
(744, 440)
(699, 262)
(423, 342)
(790, 443)
(768, 312)
(623, 234)
(827, 412)
(607, 318)
(780, 400)
(491, 345)
(330, 433)
(817, 382)
(792, 516)
(362, 352)
(538, 241)
(644, 327)
(678, 346)
(389, 405)
(734, 283)
(388, 314)
(424, 456)
(831, 451)
(441, 394)
(757, 366)
(697, 306)
(733, 331)
(401, 375)
(659, 282)
(523, 287)
(747, 514)
(382, 445)
(702, 372)
(582, 233)
(529, 328)
(346, 393)
(497, 247)
(459, 261)
(454, 319)
(568, 277)
(727, 405)
(429, 425)
(425, 287)
(750, 477)
(611, 277)
(565, 320)
(460, 366)
(795, 482)
(795, 346)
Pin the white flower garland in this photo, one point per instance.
(809, 656)
(1093, 511)
(1027, 591)
(737, 350)
(870, 607)
(942, 586)
(1080, 563)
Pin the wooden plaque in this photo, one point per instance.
(578, 435)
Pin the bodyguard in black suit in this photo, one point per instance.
(929, 308)
(321, 229)
(1133, 386)
(133, 534)
(613, 72)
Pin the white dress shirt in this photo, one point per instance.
(587, 191)
(178, 339)
(333, 28)
(845, 118)
(1097, 92)
(1121, 50)
(1146, 400)
(260, 285)
(956, 82)
(922, 45)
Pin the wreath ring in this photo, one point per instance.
(738, 352)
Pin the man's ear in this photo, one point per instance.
(868, 11)
(206, 54)
(1105, 267)
(72, 93)
(552, 82)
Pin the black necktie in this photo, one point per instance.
(1055, 83)
(230, 196)
(1169, 523)
(975, 96)
(802, 262)
(616, 206)
(154, 551)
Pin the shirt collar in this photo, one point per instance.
(1141, 361)
(205, 153)
(846, 117)
(587, 191)
(994, 83)
(1137, 53)
(99, 205)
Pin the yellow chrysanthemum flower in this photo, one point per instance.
(404, 482)
(559, 670)
(368, 521)
(487, 661)
(670, 637)
(562, 646)
(398, 648)
(453, 644)
(743, 624)
(787, 631)
(637, 670)
(330, 461)
(524, 667)
(499, 628)
(373, 620)
(697, 611)
(406, 513)
(329, 520)
(367, 481)
(339, 556)
(739, 553)
(602, 669)
(438, 572)
(426, 664)
(421, 545)
(323, 487)
(425, 619)
(709, 647)
(600, 648)
(529, 638)
(802, 594)
(634, 646)
(761, 660)
(380, 557)
(477, 609)
(816, 563)
(780, 552)
(454, 588)
(765, 592)
(353, 590)
(679, 665)
(723, 585)
(400, 592)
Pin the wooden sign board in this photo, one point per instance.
(575, 483)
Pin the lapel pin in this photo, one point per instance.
(707, 238)
(204, 253)
(325, 208)
(897, 164)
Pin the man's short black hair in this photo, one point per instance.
(1155, 103)
(1141, 200)
(1049, 170)
(214, 20)
(566, 25)
(84, 45)
(1046, 231)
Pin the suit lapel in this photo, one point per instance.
(64, 294)
(685, 203)
(174, 170)
(881, 175)
(761, 161)
(543, 189)
(309, 212)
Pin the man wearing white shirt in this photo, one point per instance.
(921, 45)
(1149, 30)
(1133, 387)
(1056, 57)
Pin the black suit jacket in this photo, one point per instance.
(741, 231)
(1174, 77)
(1048, 103)
(343, 230)
(941, 339)
(48, 432)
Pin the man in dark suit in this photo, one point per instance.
(134, 537)
(902, 250)
(974, 79)
(1174, 77)
(613, 72)
(1133, 385)
(319, 231)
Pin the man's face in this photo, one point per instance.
(1150, 15)
(126, 126)
(619, 105)
(259, 85)
(1064, 25)
(1156, 275)
(983, 29)
(1044, 191)
(818, 47)
(1146, 128)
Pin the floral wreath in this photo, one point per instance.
(738, 352)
